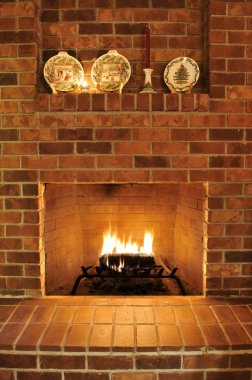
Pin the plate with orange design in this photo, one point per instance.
(63, 71)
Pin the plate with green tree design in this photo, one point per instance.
(181, 74)
(111, 71)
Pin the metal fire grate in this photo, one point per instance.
(142, 267)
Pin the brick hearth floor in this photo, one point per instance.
(125, 338)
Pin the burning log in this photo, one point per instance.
(128, 261)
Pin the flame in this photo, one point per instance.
(83, 83)
(112, 245)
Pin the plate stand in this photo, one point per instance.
(54, 91)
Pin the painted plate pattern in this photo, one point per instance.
(181, 74)
(111, 71)
(63, 71)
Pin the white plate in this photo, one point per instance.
(181, 74)
(111, 71)
(63, 71)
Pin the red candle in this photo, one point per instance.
(147, 47)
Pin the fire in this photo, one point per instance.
(113, 245)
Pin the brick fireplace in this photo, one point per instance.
(128, 138)
(200, 140)
(182, 142)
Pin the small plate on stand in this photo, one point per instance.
(63, 72)
(111, 71)
(181, 74)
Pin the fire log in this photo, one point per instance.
(127, 260)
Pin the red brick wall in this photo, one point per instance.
(128, 138)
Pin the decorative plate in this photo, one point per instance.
(63, 71)
(111, 71)
(181, 74)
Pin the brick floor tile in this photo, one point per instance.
(84, 314)
(9, 334)
(191, 336)
(204, 314)
(77, 338)
(74, 301)
(146, 338)
(124, 338)
(169, 337)
(100, 339)
(199, 300)
(164, 314)
(22, 313)
(63, 314)
(42, 314)
(175, 301)
(30, 336)
(248, 328)
(6, 312)
(243, 313)
(138, 301)
(160, 301)
(53, 337)
(224, 314)
(237, 335)
(144, 315)
(105, 301)
(104, 314)
(124, 315)
(214, 336)
(41, 301)
(184, 314)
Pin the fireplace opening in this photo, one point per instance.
(124, 238)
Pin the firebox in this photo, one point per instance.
(125, 232)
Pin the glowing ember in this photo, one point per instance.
(113, 245)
